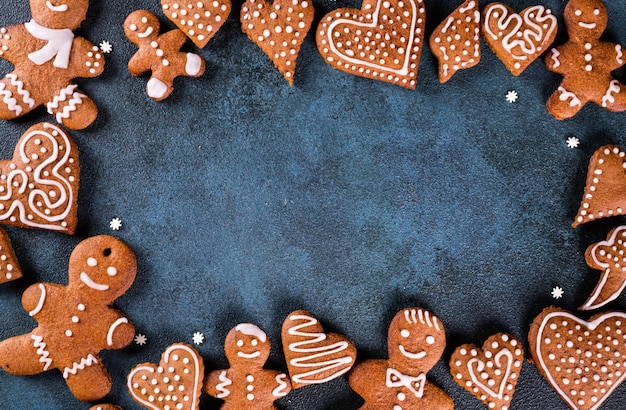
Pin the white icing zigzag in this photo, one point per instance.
(77, 99)
(567, 94)
(225, 381)
(84, 362)
(282, 389)
(7, 98)
(41, 351)
(20, 89)
(608, 97)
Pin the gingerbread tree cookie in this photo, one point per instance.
(159, 54)
(585, 63)
(76, 321)
(47, 58)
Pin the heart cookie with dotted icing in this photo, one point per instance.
(9, 268)
(605, 190)
(382, 41)
(174, 383)
(278, 29)
(490, 373)
(584, 361)
(39, 186)
(313, 356)
(518, 39)
(199, 19)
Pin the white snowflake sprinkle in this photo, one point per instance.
(511, 97)
(106, 47)
(557, 292)
(198, 338)
(140, 339)
(572, 142)
(116, 224)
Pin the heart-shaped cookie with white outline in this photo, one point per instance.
(490, 373)
(584, 361)
(278, 29)
(518, 39)
(382, 41)
(174, 383)
(39, 186)
(198, 19)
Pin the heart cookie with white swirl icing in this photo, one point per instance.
(199, 20)
(174, 383)
(313, 356)
(518, 39)
(382, 41)
(490, 373)
(39, 186)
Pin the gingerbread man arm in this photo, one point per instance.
(35, 296)
(217, 384)
(174, 39)
(618, 59)
(554, 62)
(138, 64)
(120, 333)
(86, 59)
(11, 39)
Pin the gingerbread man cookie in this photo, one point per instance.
(247, 384)
(585, 62)
(159, 54)
(47, 58)
(9, 268)
(105, 407)
(77, 321)
(416, 341)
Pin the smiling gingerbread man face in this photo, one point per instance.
(247, 342)
(586, 19)
(416, 340)
(59, 14)
(141, 26)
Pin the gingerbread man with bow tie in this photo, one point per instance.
(47, 58)
(416, 342)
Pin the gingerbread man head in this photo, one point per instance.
(141, 26)
(416, 341)
(102, 267)
(586, 19)
(247, 342)
(59, 14)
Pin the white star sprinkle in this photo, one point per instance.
(116, 224)
(198, 338)
(106, 47)
(572, 142)
(511, 97)
(557, 292)
(141, 339)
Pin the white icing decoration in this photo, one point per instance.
(249, 355)
(77, 99)
(146, 33)
(59, 44)
(415, 316)
(93, 285)
(84, 362)
(9, 101)
(614, 87)
(112, 329)
(480, 366)
(19, 85)
(156, 88)
(555, 57)
(59, 9)
(194, 64)
(470, 6)
(620, 54)
(41, 351)
(567, 94)
(251, 330)
(415, 384)
(312, 354)
(589, 26)
(282, 389)
(42, 298)
(221, 387)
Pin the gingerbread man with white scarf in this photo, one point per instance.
(76, 322)
(47, 58)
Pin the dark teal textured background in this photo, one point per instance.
(245, 199)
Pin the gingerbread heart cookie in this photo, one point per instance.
(518, 39)
(174, 383)
(609, 257)
(39, 186)
(382, 41)
(456, 41)
(9, 268)
(313, 356)
(605, 190)
(490, 373)
(278, 29)
(199, 20)
(584, 361)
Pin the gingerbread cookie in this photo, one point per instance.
(609, 257)
(490, 373)
(456, 41)
(585, 63)
(9, 268)
(47, 58)
(582, 360)
(39, 186)
(76, 321)
(159, 54)
(605, 190)
(199, 20)
(105, 407)
(518, 39)
(313, 356)
(382, 41)
(278, 29)
(175, 383)
(416, 342)
(247, 385)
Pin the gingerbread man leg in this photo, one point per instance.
(72, 108)
(564, 103)
(88, 379)
(161, 84)
(24, 355)
(15, 100)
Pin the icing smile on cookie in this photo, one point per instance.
(249, 355)
(60, 8)
(411, 355)
(91, 283)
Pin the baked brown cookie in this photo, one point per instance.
(199, 20)
(9, 267)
